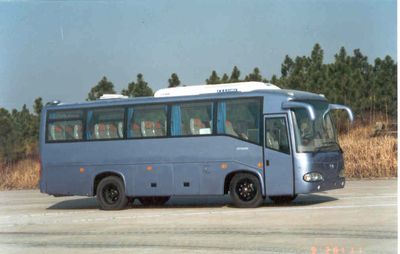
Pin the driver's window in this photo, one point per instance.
(276, 137)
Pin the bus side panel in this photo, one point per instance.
(152, 179)
(211, 175)
(186, 179)
(67, 180)
(174, 162)
(66, 170)
(207, 161)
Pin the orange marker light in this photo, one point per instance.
(149, 168)
(81, 170)
(260, 165)
(223, 166)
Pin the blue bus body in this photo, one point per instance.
(187, 165)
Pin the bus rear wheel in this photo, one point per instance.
(245, 191)
(153, 201)
(283, 199)
(111, 194)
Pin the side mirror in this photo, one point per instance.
(342, 107)
(296, 104)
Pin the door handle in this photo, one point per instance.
(267, 163)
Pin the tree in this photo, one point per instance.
(7, 136)
(349, 80)
(254, 76)
(38, 106)
(174, 80)
(103, 87)
(235, 75)
(317, 55)
(384, 86)
(274, 80)
(287, 67)
(25, 126)
(138, 89)
(213, 79)
(317, 71)
(225, 78)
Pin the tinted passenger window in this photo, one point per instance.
(240, 118)
(105, 123)
(147, 121)
(192, 119)
(64, 125)
(276, 137)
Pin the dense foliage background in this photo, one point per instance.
(369, 89)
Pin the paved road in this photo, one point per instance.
(361, 218)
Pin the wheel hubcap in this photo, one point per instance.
(246, 190)
(110, 193)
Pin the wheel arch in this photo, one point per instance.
(101, 175)
(228, 179)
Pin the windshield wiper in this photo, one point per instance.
(330, 142)
(333, 143)
(319, 149)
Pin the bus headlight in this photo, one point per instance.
(313, 177)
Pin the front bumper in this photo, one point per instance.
(329, 184)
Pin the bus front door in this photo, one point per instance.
(278, 156)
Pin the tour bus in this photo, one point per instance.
(250, 140)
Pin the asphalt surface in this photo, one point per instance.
(362, 218)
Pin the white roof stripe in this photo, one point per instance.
(221, 88)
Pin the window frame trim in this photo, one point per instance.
(261, 117)
(105, 139)
(213, 112)
(285, 117)
(48, 121)
(167, 120)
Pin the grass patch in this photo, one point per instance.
(368, 157)
(23, 174)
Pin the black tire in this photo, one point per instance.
(153, 201)
(245, 191)
(111, 194)
(283, 199)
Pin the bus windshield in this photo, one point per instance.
(318, 135)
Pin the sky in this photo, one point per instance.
(59, 49)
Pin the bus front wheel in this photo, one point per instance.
(245, 190)
(111, 194)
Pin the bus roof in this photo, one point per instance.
(283, 94)
(220, 88)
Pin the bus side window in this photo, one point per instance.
(64, 125)
(192, 119)
(276, 137)
(147, 121)
(239, 118)
(105, 123)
